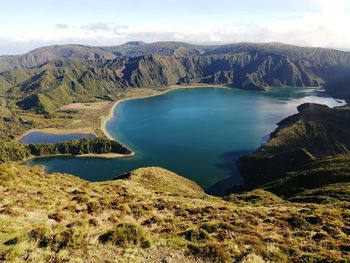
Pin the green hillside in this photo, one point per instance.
(60, 217)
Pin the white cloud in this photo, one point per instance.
(327, 26)
(96, 27)
(61, 26)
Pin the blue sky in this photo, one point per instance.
(25, 25)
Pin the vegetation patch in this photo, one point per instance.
(210, 252)
(126, 235)
(13, 151)
(58, 217)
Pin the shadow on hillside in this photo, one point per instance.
(229, 160)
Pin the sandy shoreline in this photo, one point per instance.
(105, 155)
(87, 155)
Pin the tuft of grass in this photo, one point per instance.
(210, 252)
(195, 235)
(126, 235)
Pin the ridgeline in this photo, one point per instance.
(47, 78)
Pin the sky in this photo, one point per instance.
(28, 24)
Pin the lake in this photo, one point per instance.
(198, 133)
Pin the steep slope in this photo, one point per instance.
(56, 84)
(61, 218)
(340, 87)
(321, 181)
(62, 74)
(314, 55)
(300, 143)
(12, 78)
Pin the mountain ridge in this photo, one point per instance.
(79, 73)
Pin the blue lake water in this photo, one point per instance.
(197, 133)
(40, 137)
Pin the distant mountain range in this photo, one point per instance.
(49, 77)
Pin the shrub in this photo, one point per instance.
(41, 235)
(55, 242)
(125, 235)
(296, 221)
(211, 252)
(93, 207)
(212, 227)
(195, 235)
(62, 239)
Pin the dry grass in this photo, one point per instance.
(61, 218)
(83, 106)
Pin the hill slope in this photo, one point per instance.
(308, 150)
(59, 217)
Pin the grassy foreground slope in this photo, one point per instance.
(153, 215)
